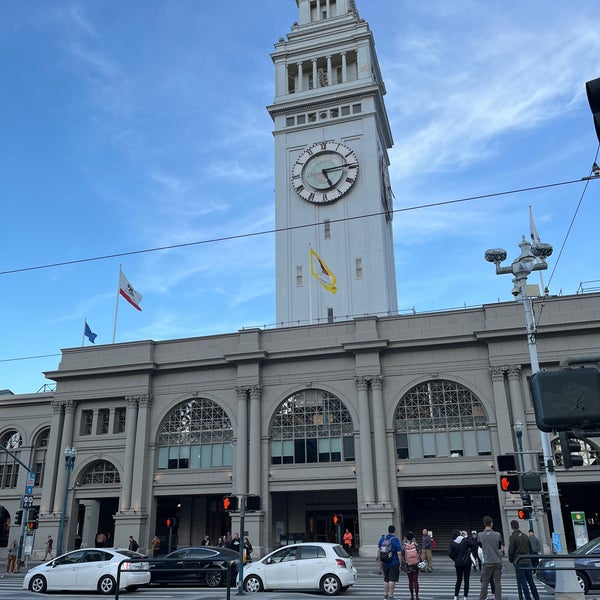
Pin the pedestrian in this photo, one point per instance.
(235, 542)
(412, 558)
(519, 544)
(536, 548)
(460, 551)
(133, 545)
(492, 548)
(475, 554)
(49, 544)
(100, 540)
(348, 542)
(426, 549)
(205, 541)
(390, 553)
(155, 545)
(248, 549)
(11, 558)
(222, 542)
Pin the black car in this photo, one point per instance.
(205, 565)
(585, 559)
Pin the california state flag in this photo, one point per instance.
(322, 272)
(129, 292)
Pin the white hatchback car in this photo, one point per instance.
(93, 569)
(307, 566)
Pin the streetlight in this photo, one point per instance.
(519, 434)
(533, 258)
(70, 454)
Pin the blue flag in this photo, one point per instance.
(89, 334)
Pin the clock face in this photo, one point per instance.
(324, 172)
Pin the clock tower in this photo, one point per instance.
(333, 200)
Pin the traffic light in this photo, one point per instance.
(31, 525)
(531, 482)
(506, 462)
(566, 398)
(338, 519)
(510, 483)
(570, 448)
(593, 93)
(18, 517)
(545, 503)
(523, 513)
(252, 503)
(230, 503)
(170, 522)
(32, 519)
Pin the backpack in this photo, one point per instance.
(385, 550)
(432, 543)
(411, 554)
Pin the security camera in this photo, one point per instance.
(516, 290)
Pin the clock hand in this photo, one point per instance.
(339, 167)
(324, 171)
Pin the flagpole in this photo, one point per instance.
(117, 305)
(309, 275)
(535, 239)
(83, 336)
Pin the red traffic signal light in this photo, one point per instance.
(523, 513)
(170, 522)
(31, 525)
(510, 483)
(230, 503)
(338, 519)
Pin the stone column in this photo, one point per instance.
(53, 457)
(300, 77)
(66, 441)
(254, 453)
(241, 463)
(315, 74)
(90, 522)
(366, 454)
(329, 73)
(517, 403)
(344, 68)
(142, 474)
(130, 429)
(382, 472)
(505, 430)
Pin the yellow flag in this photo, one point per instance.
(322, 272)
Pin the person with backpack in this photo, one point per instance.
(133, 545)
(390, 555)
(460, 550)
(412, 558)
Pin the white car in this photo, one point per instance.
(93, 569)
(308, 566)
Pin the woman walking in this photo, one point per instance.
(412, 558)
(459, 550)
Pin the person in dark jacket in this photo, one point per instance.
(519, 544)
(459, 550)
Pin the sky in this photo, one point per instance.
(136, 125)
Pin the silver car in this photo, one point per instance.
(309, 566)
(93, 569)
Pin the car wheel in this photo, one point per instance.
(37, 584)
(330, 585)
(213, 578)
(106, 585)
(253, 584)
(583, 581)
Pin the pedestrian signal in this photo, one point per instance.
(31, 525)
(252, 503)
(338, 519)
(524, 513)
(510, 483)
(170, 522)
(230, 503)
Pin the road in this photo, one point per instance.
(438, 585)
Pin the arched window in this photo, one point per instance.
(312, 426)
(441, 418)
(196, 434)
(9, 467)
(40, 449)
(100, 472)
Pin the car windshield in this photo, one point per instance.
(129, 553)
(592, 547)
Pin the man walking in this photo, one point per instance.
(536, 547)
(519, 544)
(49, 544)
(492, 547)
(390, 553)
(426, 547)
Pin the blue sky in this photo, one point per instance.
(141, 124)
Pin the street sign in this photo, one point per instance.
(29, 490)
(31, 478)
(27, 501)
